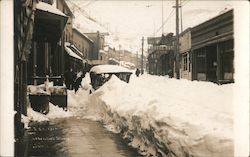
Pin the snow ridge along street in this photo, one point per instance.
(157, 115)
(162, 116)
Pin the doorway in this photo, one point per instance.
(211, 53)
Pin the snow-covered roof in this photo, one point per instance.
(49, 8)
(82, 33)
(70, 52)
(84, 23)
(109, 69)
(76, 49)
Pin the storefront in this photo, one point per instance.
(213, 49)
(47, 55)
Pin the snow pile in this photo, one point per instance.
(125, 64)
(77, 101)
(166, 116)
(54, 112)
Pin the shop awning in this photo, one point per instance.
(49, 22)
(70, 50)
(213, 40)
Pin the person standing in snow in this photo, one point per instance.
(78, 82)
(69, 76)
(137, 72)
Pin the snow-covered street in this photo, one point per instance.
(157, 115)
(125, 78)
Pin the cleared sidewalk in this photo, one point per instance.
(72, 137)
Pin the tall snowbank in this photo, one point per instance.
(162, 116)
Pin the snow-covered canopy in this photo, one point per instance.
(49, 8)
(70, 52)
(109, 69)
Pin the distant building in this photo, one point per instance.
(213, 49)
(98, 44)
(83, 43)
(161, 55)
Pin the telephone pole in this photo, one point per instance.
(142, 56)
(162, 25)
(177, 64)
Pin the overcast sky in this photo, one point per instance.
(131, 20)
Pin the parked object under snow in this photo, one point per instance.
(102, 73)
(41, 95)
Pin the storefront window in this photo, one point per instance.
(201, 61)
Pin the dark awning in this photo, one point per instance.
(213, 40)
(49, 23)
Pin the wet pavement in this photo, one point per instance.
(72, 137)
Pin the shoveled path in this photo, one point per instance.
(72, 137)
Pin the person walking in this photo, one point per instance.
(137, 72)
(69, 76)
(78, 82)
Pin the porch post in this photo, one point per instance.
(46, 49)
(24, 87)
(34, 62)
(206, 61)
(218, 70)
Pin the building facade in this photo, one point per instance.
(161, 55)
(73, 56)
(68, 31)
(47, 55)
(98, 44)
(38, 28)
(185, 54)
(213, 49)
(83, 43)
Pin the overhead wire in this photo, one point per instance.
(183, 3)
(165, 21)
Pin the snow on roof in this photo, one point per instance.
(109, 69)
(76, 49)
(49, 8)
(82, 33)
(70, 52)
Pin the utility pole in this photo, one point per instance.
(137, 64)
(119, 55)
(162, 25)
(177, 64)
(142, 56)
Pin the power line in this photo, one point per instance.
(83, 12)
(183, 3)
(89, 3)
(171, 13)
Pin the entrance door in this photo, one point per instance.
(211, 54)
